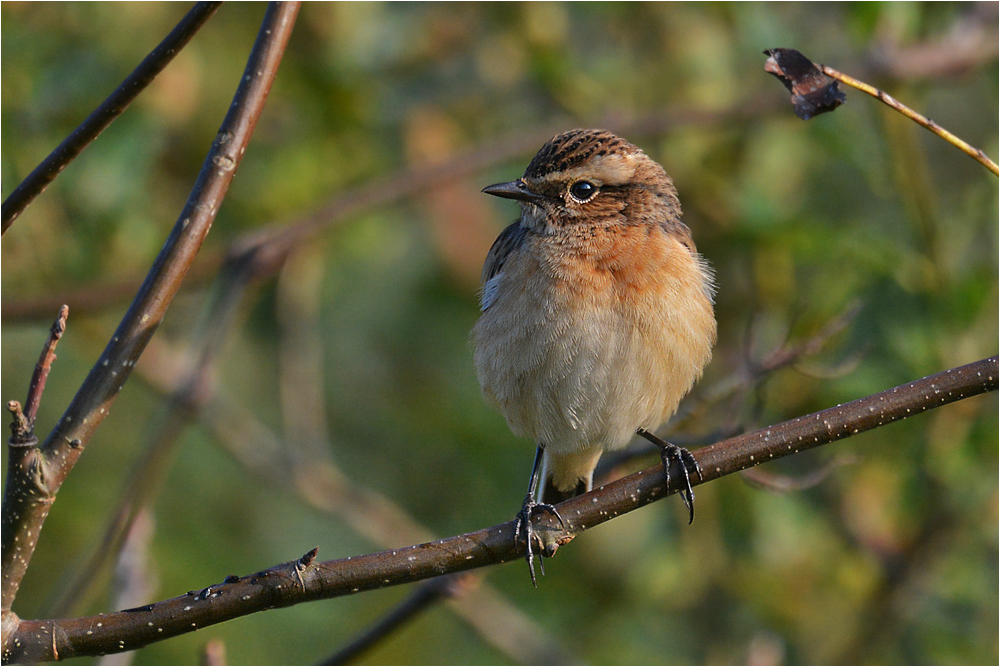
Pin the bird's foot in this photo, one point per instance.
(670, 453)
(524, 529)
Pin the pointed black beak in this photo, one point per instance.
(514, 190)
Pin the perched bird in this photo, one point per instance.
(597, 314)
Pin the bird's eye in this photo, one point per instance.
(582, 190)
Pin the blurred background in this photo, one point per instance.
(342, 409)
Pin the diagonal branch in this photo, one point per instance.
(45, 468)
(426, 596)
(104, 115)
(976, 154)
(305, 580)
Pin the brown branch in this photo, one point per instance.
(106, 113)
(313, 476)
(44, 365)
(32, 486)
(304, 579)
(22, 427)
(20, 497)
(321, 485)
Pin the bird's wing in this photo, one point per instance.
(509, 240)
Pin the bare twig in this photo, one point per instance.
(44, 365)
(185, 400)
(427, 594)
(320, 484)
(134, 579)
(98, 296)
(814, 91)
(776, 483)
(977, 154)
(104, 115)
(304, 579)
(31, 487)
(272, 244)
(21, 433)
(747, 377)
(20, 497)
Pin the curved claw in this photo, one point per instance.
(688, 464)
(528, 510)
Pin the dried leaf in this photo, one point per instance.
(812, 91)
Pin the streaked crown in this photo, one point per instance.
(574, 148)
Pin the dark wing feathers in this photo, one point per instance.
(509, 240)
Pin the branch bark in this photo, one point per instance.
(44, 365)
(104, 115)
(33, 483)
(305, 579)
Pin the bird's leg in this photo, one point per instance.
(528, 510)
(688, 464)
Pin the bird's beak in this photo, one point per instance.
(518, 190)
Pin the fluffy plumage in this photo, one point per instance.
(597, 313)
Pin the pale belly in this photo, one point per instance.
(582, 363)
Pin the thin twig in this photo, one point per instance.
(36, 487)
(23, 501)
(44, 365)
(749, 376)
(184, 402)
(20, 428)
(884, 97)
(752, 373)
(427, 594)
(305, 579)
(778, 483)
(134, 579)
(98, 296)
(271, 244)
(105, 114)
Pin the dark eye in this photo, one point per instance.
(583, 190)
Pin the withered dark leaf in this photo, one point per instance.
(812, 91)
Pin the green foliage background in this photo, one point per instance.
(891, 559)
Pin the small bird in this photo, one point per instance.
(597, 314)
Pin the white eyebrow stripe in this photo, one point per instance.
(610, 169)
